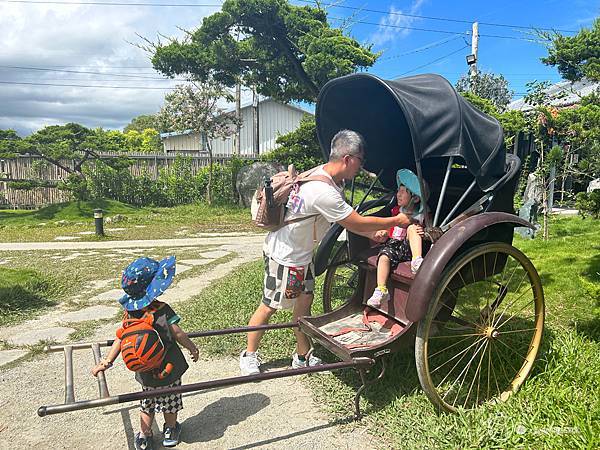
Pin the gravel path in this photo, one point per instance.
(271, 415)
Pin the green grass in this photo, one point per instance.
(558, 406)
(24, 293)
(74, 218)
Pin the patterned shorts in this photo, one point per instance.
(166, 404)
(397, 251)
(282, 285)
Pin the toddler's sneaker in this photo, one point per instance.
(171, 435)
(309, 361)
(142, 442)
(249, 364)
(378, 297)
(415, 264)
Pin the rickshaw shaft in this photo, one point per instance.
(123, 398)
(195, 334)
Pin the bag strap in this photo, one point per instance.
(305, 177)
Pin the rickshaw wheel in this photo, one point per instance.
(341, 279)
(480, 346)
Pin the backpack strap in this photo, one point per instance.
(305, 177)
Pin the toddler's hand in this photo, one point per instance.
(195, 354)
(101, 367)
(380, 236)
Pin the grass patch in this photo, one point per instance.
(69, 275)
(75, 218)
(558, 406)
(24, 293)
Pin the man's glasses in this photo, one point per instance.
(361, 159)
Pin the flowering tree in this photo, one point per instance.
(194, 107)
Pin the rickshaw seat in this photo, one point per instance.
(402, 273)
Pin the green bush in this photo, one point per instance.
(174, 185)
(588, 204)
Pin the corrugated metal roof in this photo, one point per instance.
(572, 93)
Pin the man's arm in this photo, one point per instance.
(363, 224)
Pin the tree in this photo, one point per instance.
(577, 56)
(488, 86)
(194, 107)
(68, 147)
(143, 122)
(288, 52)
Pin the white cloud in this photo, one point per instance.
(386, 33)
(89, 38)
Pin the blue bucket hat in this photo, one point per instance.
(409, 180)
(145, 279)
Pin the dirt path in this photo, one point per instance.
(271, 414)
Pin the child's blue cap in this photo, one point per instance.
(409, 180)
(145, 279)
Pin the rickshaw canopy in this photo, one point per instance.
(410, 121)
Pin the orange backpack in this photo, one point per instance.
(142, 348)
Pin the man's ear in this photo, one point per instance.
(416, 199)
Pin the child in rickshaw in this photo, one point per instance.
(144, 280)
(403, 244)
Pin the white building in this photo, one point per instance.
(563, 94)
(274, 119)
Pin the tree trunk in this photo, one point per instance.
(544, 194)
(210, 173)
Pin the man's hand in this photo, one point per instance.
(419, 230)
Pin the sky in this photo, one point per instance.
(80, 61)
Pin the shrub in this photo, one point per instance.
(588, 204)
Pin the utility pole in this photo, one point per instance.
(474, 48)
(256, 143)
(237, 147)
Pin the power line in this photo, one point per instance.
(463, 33)
(443, 19)
(420, 49)
(332, 5)
(44, 69)
(88, 86)
(73, 3)
(431, 62)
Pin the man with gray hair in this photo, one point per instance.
(289, 272)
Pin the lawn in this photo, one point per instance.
(558, 407)
(40, 280)
(122, 221)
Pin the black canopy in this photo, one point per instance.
(411, 119)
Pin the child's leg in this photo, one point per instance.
(383, 270)
(146, 420)
(415, 241)
(170, 419)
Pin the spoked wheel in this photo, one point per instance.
(483, 329)
(341, 279)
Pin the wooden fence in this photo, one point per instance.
(32, 167)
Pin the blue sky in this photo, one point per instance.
(76, 61)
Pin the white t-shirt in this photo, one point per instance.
(293, 244)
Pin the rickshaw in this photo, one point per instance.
(474, 310)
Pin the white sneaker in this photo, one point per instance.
(249, 364)
(415, 264)
(309, 361)
(377, 298)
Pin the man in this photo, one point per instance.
(289, 272)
